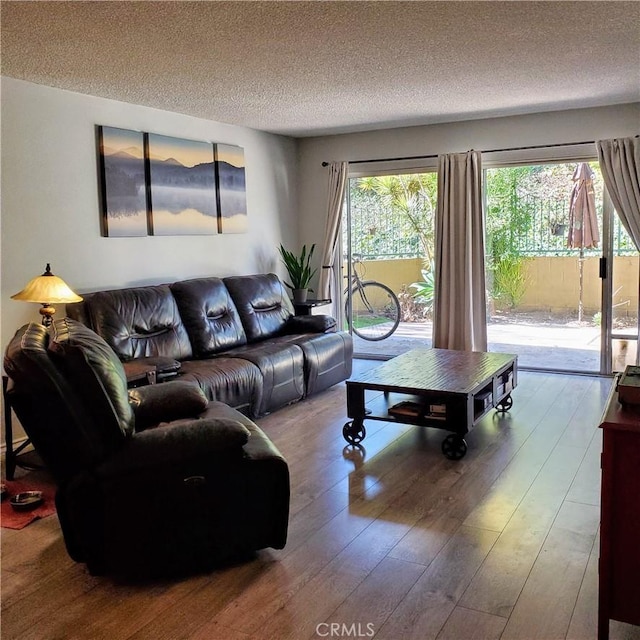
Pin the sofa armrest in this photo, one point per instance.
(170, 446)
(166, 402)
(310, 324)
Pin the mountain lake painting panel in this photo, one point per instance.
(123, 188)
(231, 188)
(182, 177)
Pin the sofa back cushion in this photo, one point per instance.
(96, 374)
(53, 411)
(209, 315)
(138, 322)
(78, 311)
(262, 302)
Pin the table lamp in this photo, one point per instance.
(47, 289)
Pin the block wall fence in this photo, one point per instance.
(552, 282)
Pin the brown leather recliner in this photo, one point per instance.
(151, 481)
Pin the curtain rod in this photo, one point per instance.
(435, 155)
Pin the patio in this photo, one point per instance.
(549, 345)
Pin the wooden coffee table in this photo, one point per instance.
(438, 388)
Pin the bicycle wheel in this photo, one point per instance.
(376, 311)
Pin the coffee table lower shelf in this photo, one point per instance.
(438, 388)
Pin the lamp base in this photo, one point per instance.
(47, 311)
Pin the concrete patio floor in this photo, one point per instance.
(565, 347)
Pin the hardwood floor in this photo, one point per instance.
(395, 542)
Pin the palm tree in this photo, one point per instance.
(411, 200)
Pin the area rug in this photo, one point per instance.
(11, 519)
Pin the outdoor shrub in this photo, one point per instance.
(411, 310)
(509, 280)
(424, 290)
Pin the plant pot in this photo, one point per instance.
(299, 296)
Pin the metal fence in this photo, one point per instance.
(549, 229)
(378, 238)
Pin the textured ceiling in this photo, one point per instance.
(314, 68)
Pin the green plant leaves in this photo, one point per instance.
(424, 290)
(298, 267)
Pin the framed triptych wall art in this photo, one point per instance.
(153, 184)
(231, 188)
(183, 187)
(123, 186)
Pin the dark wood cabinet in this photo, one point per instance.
(619, 580)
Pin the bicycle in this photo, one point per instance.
(374, 306)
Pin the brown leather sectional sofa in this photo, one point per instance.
(170, 478)
(237, 337)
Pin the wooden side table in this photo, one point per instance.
(619, 567)
(11, 454)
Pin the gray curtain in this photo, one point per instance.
(337, 184)
(620, 165)
(460, 306)
(619, 160)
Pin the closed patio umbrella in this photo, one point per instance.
(583, 221)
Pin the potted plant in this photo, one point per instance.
(299, 270)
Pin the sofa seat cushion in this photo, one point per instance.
(233, 381)
(259, 446)
(174, 442)
(328, 359)
(262, 302)
(209, 315)
(282, 369)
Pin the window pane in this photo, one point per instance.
(544, 295)
(392, 241)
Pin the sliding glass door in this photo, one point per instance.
(388, 236)
(549, 245)
(547, 298)
(620, 266)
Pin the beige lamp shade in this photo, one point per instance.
(47, 289)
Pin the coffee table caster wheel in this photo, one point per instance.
(454, 447)
(505, 404)
(354, 432)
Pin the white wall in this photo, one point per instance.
(50, 207)
(577, 125)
